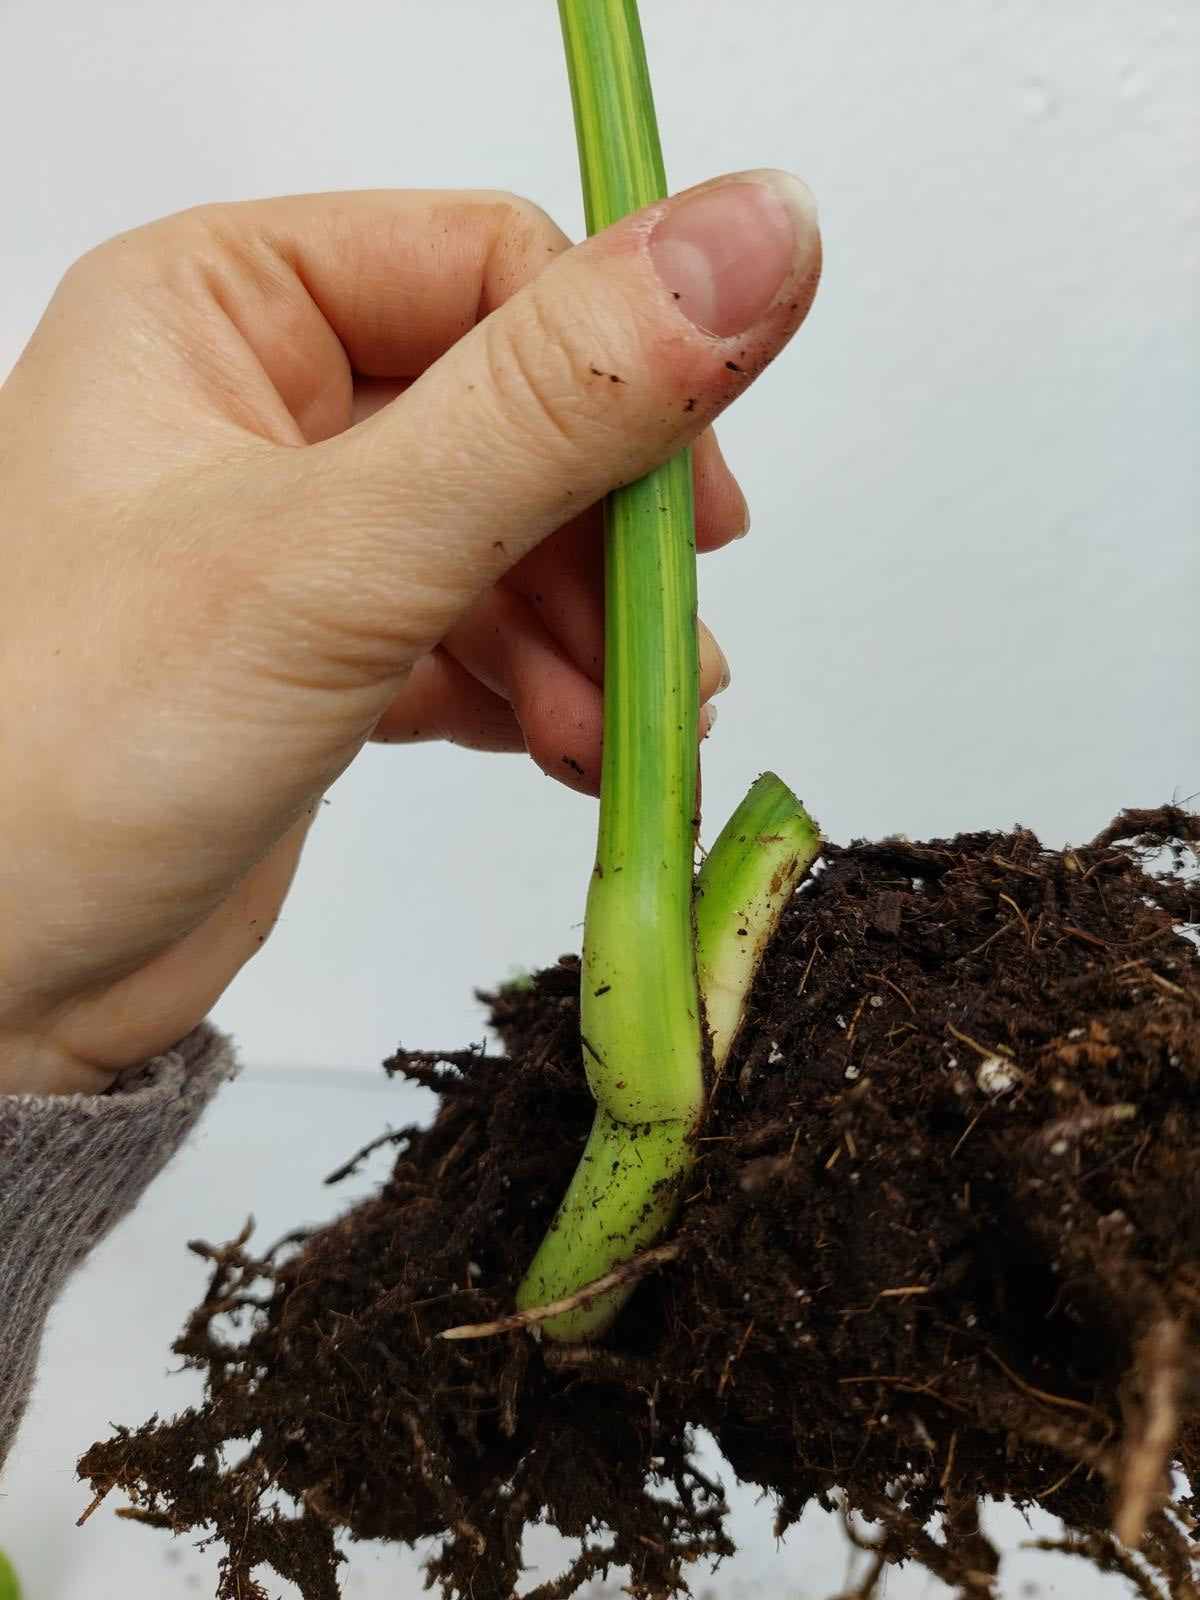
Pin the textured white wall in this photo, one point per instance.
(969, 597)
(970, 593)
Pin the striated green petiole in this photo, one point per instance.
(640, 1001)
(746, 880)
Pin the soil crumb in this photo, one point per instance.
(942, 1245)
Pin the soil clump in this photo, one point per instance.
(942, 1244)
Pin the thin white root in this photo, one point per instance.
(628, 1272)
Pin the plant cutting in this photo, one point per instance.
(901, 1165)
(641, 1007)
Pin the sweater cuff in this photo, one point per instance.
(70, 1167)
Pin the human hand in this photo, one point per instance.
(282, 477)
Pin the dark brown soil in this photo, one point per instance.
(943, 1243)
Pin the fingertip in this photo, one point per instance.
(561, 715)
(575, 767)
(715, 674)
(722, 513)
(440, 700)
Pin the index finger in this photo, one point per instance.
(248, 304)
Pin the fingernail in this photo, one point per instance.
(711, 655)
(745, 527)
(725, 252)
(708, 715)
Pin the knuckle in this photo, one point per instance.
(174, 234)
(178, 252)
(517, 217)
(519, 241)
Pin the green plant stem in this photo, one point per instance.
(640, 1009)
(746, 880)
(640, 1014)
(626, 1186)
(640, 1005)
(10, 1589)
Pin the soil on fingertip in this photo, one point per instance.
(942, 1244)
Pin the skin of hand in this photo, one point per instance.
(279, 478)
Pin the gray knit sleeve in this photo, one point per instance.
(70, 1167)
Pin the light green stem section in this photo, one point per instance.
(763, 851)
(640, 1010)
(626, 1186)
(616, 131)
(624, 1192)
(640, 1014)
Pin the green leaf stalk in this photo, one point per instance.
(641, 1014)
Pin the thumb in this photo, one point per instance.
(605, 365)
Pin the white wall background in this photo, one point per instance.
(969, 597)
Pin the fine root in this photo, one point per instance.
(620, 1277)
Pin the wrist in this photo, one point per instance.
(33, 1064)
